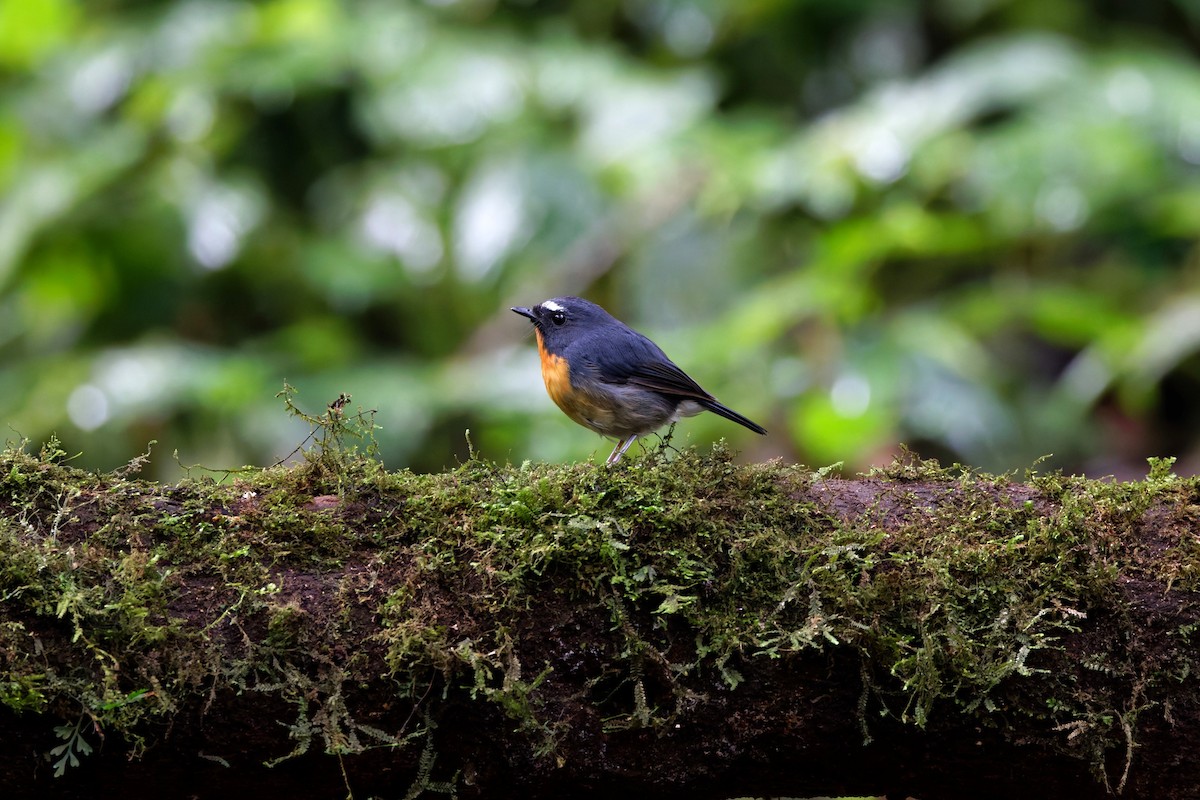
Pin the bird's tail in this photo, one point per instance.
(729, 413)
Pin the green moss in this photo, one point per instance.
(953, 590)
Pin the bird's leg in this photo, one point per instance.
(620, 449)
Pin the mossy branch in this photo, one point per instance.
(684, 627)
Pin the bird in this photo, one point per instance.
(611, 379)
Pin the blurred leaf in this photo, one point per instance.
(28, 31)
(841, 424)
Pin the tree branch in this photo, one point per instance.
(682, 628)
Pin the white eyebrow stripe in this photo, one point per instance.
(550, 305)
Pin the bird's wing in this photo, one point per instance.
(633, 359)
(664, 376)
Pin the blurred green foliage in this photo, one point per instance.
(969, 225)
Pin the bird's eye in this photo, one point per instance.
(558, 318)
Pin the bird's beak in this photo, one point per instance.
(525, 312)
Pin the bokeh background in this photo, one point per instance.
(969, 226)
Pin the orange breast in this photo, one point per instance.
(577, 405)
(555, 373)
